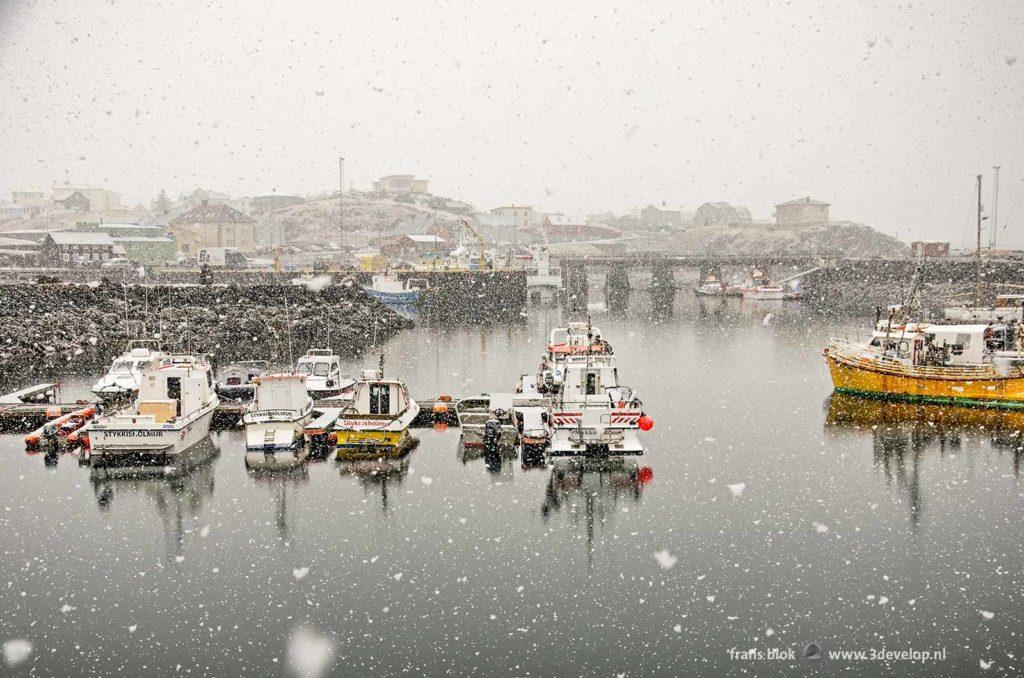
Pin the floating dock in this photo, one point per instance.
(30, 408)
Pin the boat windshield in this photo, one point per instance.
(304, 368)
(321, 369)
(124, 366)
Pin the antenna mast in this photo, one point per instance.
(994, 226)
(977, 254)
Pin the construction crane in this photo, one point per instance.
(480, 240)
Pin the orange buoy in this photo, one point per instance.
(440, 408)
(645, 423)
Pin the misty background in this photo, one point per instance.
(886, 111)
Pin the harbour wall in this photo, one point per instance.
(57, 328)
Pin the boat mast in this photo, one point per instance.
(993, 231)
(977, 253)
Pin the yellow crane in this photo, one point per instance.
(480, 240)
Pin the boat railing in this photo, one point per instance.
(858, 356)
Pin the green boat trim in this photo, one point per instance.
(936, 400)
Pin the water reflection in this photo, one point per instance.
(498, 463)
(590, 491)
(178, 491)
(281, 483)
(378, 475)
(904, 433)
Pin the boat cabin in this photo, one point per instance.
(377, 396)
(180, 387)
(930, 344)
(319, 362)
(576, 339)
(281, 392)
(593, 381)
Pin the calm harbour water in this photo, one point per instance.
(857, 526)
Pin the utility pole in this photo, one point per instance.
(341, 206)
(994, 225)
(977, 253)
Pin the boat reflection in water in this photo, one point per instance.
(498, 462)
(902, 433)
(178, 492)
(281, 481)
(378, 475)
(592, 489)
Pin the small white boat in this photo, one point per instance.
(322, 370)
(765, 293)
(1007, 308)
(474, 413)
(277, 417)
(125, 374)
(172, 412)
(533, 419)
(393, 291)
(376, 423)
(237, 381)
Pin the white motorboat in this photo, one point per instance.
(395, 293)
(125, 374)
(474, 413)
(376, 423)
(532, 413)
(172, 412)
(277, 417)
(322, 370)
(237, 381)
(592, 413)
(1007, 308)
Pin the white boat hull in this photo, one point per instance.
(595, 430)
(275, 434)
(117, 438)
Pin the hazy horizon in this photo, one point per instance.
(887, 112)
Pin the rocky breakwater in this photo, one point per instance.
(47, 330)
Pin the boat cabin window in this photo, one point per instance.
(321, 369)
(304, 368)
(174, 392)
(591, 383)
(380, 399)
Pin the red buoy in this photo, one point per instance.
(645, 475)
(645, 423)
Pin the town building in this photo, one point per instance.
(930, 248)
(147, 250)
(32, 202)
(213, 226)
(66, 248)
(75, 202)
(96, 198)
(656, 217)
(202, 196)
(413, 246)
(119, 230)
(11, 211)
(721, 214)
(400, 184)
(523, 215)
(801, 212)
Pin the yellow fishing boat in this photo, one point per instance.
(942, 364)
(377, 420)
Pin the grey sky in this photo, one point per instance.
(887, 110)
